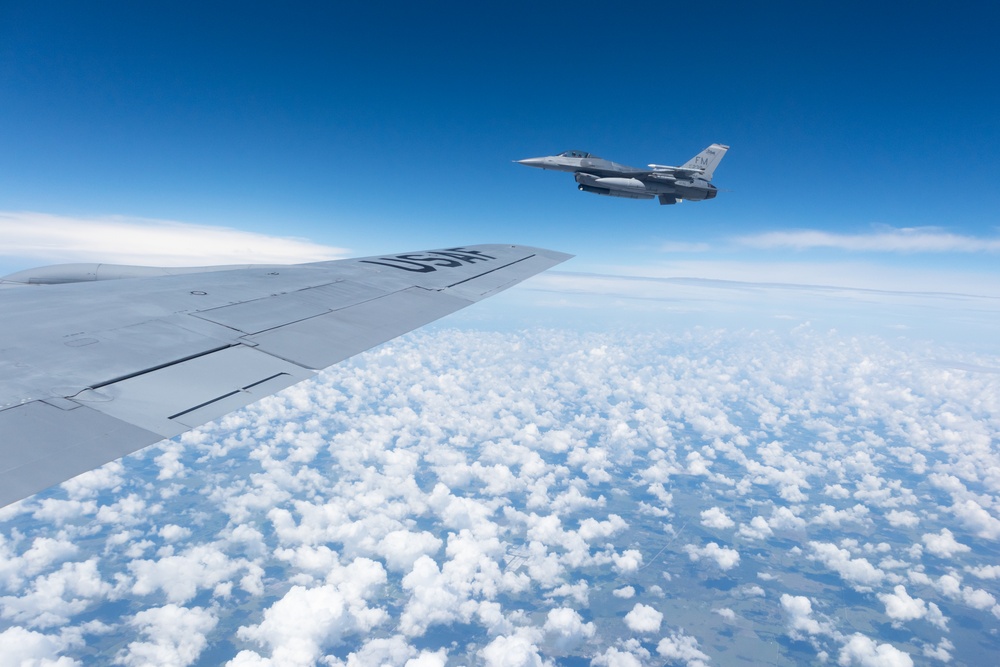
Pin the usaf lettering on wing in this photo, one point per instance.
(426, 262)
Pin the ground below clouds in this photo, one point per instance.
(542, 497)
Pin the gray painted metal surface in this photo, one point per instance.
(92, 368)
(691, 181)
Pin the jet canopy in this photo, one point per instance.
(576, 154)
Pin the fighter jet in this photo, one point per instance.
(691, 181)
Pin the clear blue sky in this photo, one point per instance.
(387, 126)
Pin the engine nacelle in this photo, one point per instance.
(696, 190)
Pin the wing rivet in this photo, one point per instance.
(198, 293)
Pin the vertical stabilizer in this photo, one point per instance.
(707, 160)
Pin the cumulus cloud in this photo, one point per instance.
(944, 544)
(180, 576)
(395, 650)
(123, 240)
(758, 529)
(864, 652)
(615, 657)
(628, 561)
(857, 571)
(26, 647)
(174, 636)
(643, 618)
(565, 630)
(724, 557)
(899, 606)
(902, 519)
(53, 598)
(298, 627)
(975, 517)
(454, 491)
(798, 611)
(717, 518)
(519, 649)
(682, 648)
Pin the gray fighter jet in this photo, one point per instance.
(691, 181)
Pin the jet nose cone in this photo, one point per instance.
(532, 161)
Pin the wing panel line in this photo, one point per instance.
(129, 376)
(485, 273)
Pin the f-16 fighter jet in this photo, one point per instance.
(691, 181)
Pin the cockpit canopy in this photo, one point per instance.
(577, 154)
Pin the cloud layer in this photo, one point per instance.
(517, 498)
(120, 240)
(892, 240)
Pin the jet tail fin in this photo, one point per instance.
(707, 160)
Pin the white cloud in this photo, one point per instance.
(614, 657)
(90, 483)
(28, 648)
(899, 606)
(402, 548)
(519, 649)
(717, 518)
(942, 651)
(726, 613)
(985, 571)
(902, 519)
(394, 650)
(389, 458)
(977, 518)
(565, 630)
(304, 621)
(944, 544)
(591, 529)
(683, 648)
(857, 571)
(181, 576)
(862, 651)
(897, 240)
(798, 610)
(175, 636)
(628, 561)
(123, 240)
(758, 529)
(643, 618)
(432, 599)
(724, 557)
(171, 532)
(53, 598)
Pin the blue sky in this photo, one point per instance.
(695, 372)
(385, 126)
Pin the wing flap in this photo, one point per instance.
(45, 445)
(175, 398)
(323, 341)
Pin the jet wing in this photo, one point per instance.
(91, 371)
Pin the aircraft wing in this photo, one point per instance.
(91, 371)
